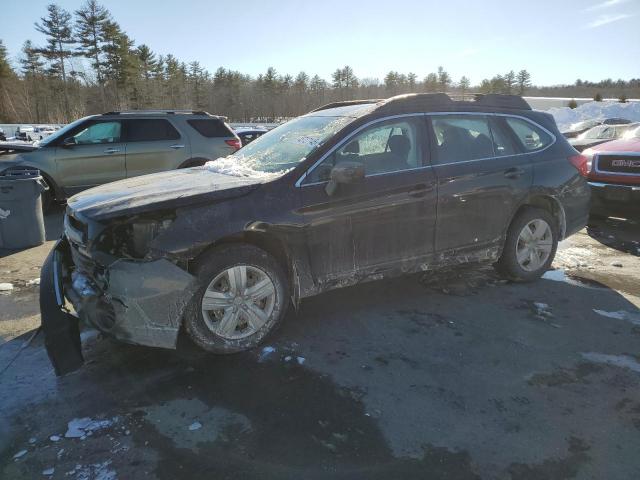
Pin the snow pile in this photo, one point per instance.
(236, 168)
(565, 116)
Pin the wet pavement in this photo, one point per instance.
(457, 376)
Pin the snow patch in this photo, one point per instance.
(266, 351)
(6, 287)
(94, 471)
(622, 361)
(34, 281)
(195, 426)
(565, 116)
(232, 166)
(48, 472)
(81, 427)
(300, 360)
(20, 454)
(4, 214)
(620, 315)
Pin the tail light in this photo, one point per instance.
(582, 163)
(235, 143)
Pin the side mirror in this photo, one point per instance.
(344, 172)
(68, 142)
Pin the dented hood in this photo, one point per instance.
(158, 191)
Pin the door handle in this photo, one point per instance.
(514, 173)
(176, 146)
(112, 150)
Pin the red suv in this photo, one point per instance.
(615, 178)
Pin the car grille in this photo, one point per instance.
(627, 164)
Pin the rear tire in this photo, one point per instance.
(242, 297)
(530, 246)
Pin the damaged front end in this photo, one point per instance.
(115, 283)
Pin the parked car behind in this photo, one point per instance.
(581, 127)
(3, 137)
(103, 148)
(600, 134)
(351, 192)
(248, 135)
(614, 177)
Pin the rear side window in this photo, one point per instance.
(531, 137)
(149, 130)
(211, 127)
(460, 138)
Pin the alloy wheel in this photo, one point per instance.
(238, 302)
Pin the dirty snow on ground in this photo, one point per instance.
(94, 471)
(620, 315)
(565, 116)
(6, 287)
(82, 427)
(622, 361)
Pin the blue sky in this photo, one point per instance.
(557, 41)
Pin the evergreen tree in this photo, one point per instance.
(444, 79)
(572, 103)
(523, 79)
(597, 97)
(509, 82)
(56, 27)
(431, 83)
(464, 85)
(33, 74)
(92, 20)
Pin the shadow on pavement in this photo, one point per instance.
(619, 234)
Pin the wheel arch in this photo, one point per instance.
(550, 204)
(270, 243)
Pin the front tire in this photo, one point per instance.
(242, 296)
(530, 247)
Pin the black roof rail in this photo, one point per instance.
(430, 101)
(345, 103)
(167, 112)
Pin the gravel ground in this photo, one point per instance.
(460, 375)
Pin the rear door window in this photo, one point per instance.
(210, 127)
(150, 130)
(530, 137)
(460, 138)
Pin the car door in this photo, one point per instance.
(482, 176)
(386, 219)
(153, 145)
(92, 154)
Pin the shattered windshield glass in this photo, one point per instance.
(278, 151)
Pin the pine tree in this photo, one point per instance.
(444, 79)
(56, 27)
(572, 104)
(523, 79)
(91, 21)
(509, 82)
(32, 71)
(597, 97)
(464, 85)
(7, 80)
(431, 83)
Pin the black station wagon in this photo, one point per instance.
(353, 191)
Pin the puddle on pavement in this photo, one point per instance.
(560, 275)
(206, 416)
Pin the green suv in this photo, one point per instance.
(116, 145)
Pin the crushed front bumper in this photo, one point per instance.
(140, 302)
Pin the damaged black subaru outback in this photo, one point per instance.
(353, 191)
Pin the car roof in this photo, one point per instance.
(424, 102)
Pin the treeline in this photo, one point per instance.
(89, 65)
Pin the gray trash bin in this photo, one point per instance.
(21, 219)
